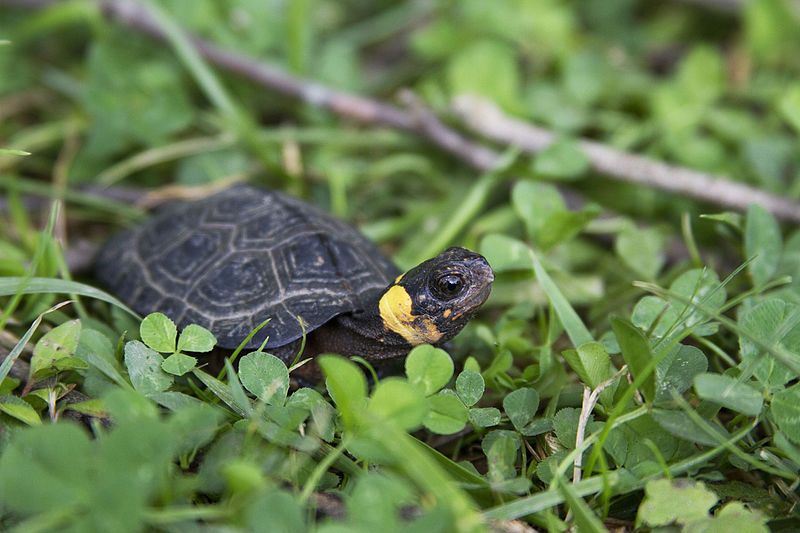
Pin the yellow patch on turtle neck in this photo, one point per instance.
(395, 310)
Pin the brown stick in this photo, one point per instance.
(483, 119)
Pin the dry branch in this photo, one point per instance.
(484, 119)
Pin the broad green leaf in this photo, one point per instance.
(565, 425)
(591, 362)
(16, 351)
(399, 402)
(131, 98)
(785, 409)
(19, 409)
(679, 424)
(212, 166)
(537, 426)
(701, 74)
(486, 68)
(774, 322)
(178, 364)
(470, 387)
(196, 338)
(790, 106)
(565, 225)
(762, 241)
(649, 309)
(730, 393)
(96, 349)
(447, 414)
(376, 500)
(428, 367)
(70, 363)
(484, 417)
(587, 75)
(733, 516)
(520, 405)
(676, 371)
(137, 472)
(637, 432)
(46, 468)
(636, 352)
(243, 476)
(506, 254)
(95, 407)
(277, 508)
(535, 202)
(194, 425)
(58, 343)
(703, 287)
(144, 368)
(346, 385)
(322, 413)
(159, 332)
(641, 249)
(786, 446)
(547, 219)
(677, 501)
(563, 159)
(501, 449)
(265, 376)
(699, 286)
(546, 469)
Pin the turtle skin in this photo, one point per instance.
(232, 260)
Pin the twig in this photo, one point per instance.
(485, 118)
(732, 7)
(589, 401)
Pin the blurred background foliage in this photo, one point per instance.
(712, 85)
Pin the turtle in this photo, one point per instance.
(234, 259)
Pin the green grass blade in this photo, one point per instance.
(78, 198)
(12, 151)
(551, 497)
(636, 352)
(423, 469)
(221, 390)
(585, 518)
(547, 499)
(162, 154)
(190, 57)
(577, 332)
(41, 247)
(777, 351)
(14, 285)
(473, 202)
(455, 470)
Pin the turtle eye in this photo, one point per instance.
(448, 286)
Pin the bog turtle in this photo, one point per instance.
(243, 255)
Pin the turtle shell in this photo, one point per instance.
(235, 259)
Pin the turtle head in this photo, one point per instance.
(433, 301)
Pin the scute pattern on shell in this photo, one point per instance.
(232, 260)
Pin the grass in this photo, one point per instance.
(683, 320)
